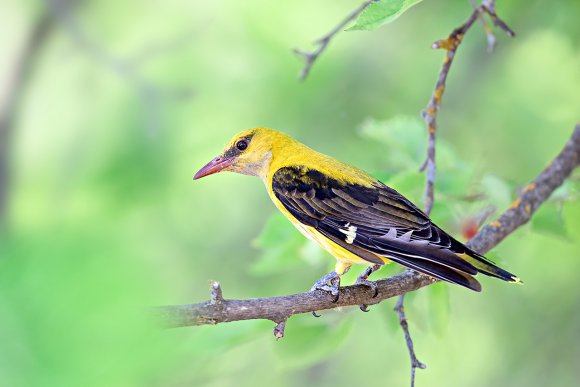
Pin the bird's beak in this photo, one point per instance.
(216, 165)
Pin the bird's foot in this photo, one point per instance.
(374, 288)
(363, 280)
(370, 284)
(329, 283)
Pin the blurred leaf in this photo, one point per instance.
(454, 184)
(563, 192)
(403, 135)
(74, 283)
(380, 13)
(406, 141)
(280, 243)
(308, 341)
(207, 341)
(498, 259)
(438, 305)
(497, 191)
(391, 318)
(410, 185)
(447, 157)
(550, 220)
(382, 175)
(443, 213)
(312, 253)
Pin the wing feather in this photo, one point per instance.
(387, 224)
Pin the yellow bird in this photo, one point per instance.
(352, 215)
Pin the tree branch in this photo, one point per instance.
(280, 308)
(311, 56)
(531, 197)
(450, 45)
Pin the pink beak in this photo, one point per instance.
(216, 165)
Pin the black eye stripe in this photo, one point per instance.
(235, 149)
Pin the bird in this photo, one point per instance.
(352, 215)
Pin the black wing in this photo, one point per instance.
(371, 221)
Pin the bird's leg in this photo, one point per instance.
(331, 282)
(363, 280)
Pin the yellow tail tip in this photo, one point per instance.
(516, 280)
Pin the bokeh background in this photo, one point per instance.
(113, 107)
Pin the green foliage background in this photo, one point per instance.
(104, 220)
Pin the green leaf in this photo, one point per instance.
(443, 214)
(496, 258)
(409, 184)
(404, 137)
(438, 305)
(563, 192)
(281, 246)
(382, 175)
(312, 253)
(549, 220)
(380, 13)
(497, 191)
(454, 183)
(308, 341)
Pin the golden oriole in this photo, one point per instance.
(352, 215)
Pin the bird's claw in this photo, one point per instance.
(329, 283)
(332, 289)
(370, 284)
(364, 307)
(363, 280)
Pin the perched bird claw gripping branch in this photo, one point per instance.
(363, 279)
(352, 215)
(329, 283)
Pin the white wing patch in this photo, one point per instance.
(350, 233)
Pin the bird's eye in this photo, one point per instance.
(242, 145)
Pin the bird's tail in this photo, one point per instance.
(487, 267)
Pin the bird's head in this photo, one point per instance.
(249, 152)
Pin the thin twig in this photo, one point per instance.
(490, 36)
(450, 45)
(216, 296)
(282, 307)
(400, 310)
(415, 363)
(279, 329)
(311, 56)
